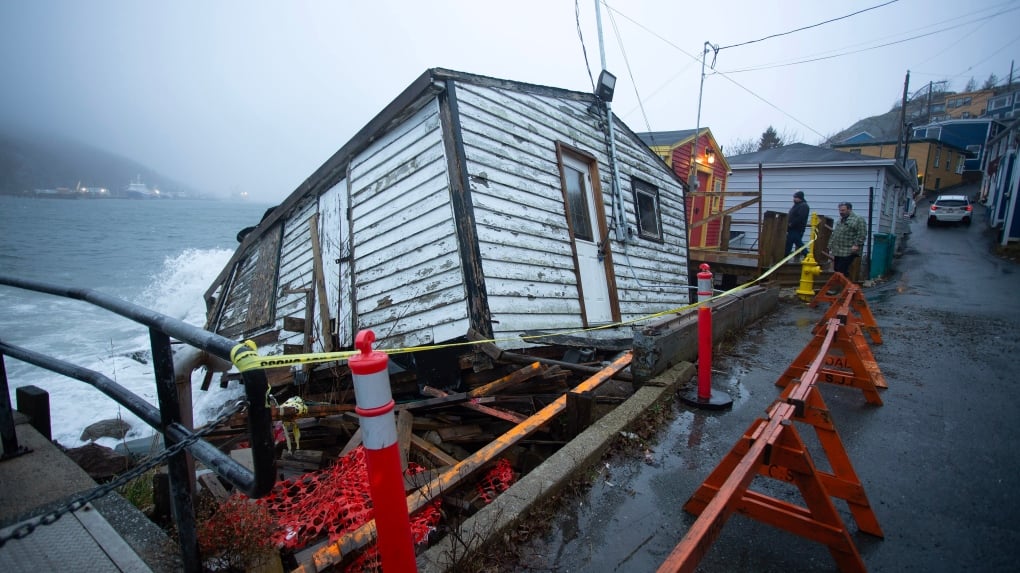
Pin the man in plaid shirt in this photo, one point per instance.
(847, 239)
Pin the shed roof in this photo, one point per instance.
(803, 155)
(656, 138)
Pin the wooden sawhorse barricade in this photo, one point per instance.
(848, 358)
(772, 447)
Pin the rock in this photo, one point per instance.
(113, 428)
(100, 462)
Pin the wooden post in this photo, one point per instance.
(34, 402)
(772, 240)
(580, 409)
(320, 285)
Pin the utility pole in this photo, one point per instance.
(903, 117)
(692, 179)
(928, 120)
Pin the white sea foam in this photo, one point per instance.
(120, 350)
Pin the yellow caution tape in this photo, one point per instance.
(245, 356)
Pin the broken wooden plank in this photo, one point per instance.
(352, 443)
(515, 377)
(495, 412)
(325, 332)
(433, 450)
(405, 421)
(211, 482)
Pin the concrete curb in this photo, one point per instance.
(492, 521)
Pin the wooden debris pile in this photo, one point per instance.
(505, 416)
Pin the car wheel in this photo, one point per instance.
(931, 221)
(966, 222)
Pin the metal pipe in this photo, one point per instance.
(180, 330)
(255, 383)
(230, 469)
(618, 209)
(177, 466)
(8, 433)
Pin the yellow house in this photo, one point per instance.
(939, 164)
(968, 105)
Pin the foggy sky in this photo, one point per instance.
(230, 96)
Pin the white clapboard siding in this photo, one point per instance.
(651, 276)
(510, 142)
(824, 189)
(408, 280)
(296, 271)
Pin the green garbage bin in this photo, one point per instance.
(881, 254)
(891, 253)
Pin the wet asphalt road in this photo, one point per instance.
(940, 460)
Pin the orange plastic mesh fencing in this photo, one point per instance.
(496, 481)
(333, 501)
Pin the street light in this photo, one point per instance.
(606, 87)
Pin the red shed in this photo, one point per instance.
(710, 168)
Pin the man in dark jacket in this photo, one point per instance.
(796, 222)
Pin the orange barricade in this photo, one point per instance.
(772, 447)
(848, 359)
(844, 289)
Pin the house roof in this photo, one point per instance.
(425, 87)
(670, 138)
(801, 153)
(804, 155)
(862, 137)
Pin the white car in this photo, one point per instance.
(950, 209)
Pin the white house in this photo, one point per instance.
(880, 189)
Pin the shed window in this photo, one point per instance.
(577, 202)
(646, 201)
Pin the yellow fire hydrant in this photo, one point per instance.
(809, 268)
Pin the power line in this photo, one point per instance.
(697, 59)
(869, 48)
(809, 27)
(583, 48)
(630, 72)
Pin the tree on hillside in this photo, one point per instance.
(769, 139)
(971, 85)
(990, 82)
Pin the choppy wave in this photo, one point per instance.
(117, 348)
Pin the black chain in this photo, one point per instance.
(25, 529)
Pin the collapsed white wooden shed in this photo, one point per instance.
(468, 204)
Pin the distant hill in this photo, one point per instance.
(31, 161)
(883, 127)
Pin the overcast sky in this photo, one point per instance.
(253, 95)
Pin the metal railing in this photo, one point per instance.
(167, 418)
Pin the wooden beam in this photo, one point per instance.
(514, 377)
(320, 284)
(433, 450)
(494, 412)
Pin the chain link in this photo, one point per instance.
(26, 529)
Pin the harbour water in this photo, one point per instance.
(161, 254)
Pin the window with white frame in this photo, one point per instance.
(938, 155)
(999, 102)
